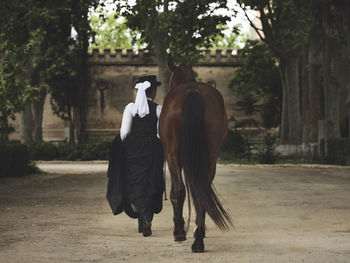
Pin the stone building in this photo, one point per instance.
(111, 88)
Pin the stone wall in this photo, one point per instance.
(112, 76)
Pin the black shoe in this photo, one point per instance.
(146, 217)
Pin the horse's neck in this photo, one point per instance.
(173, 87)
(181, 79)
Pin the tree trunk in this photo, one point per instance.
(38, 110)
(291, 99)
(315, 84)
(342, 71)
(347, 102)
(79, 111)
(26, 125)
(83, 91)
(79, 122)
(161, 54)
(26, 115)
(305, 98)
(284, 117)
(71, 138)
(331, 89)
(162, 61)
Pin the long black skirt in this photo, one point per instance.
(144, 181)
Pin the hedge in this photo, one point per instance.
(266, 153)
(14, 160)
(67, 151)
(338, 151)
(234, 147)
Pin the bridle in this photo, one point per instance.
(170, 80)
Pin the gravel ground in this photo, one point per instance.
(281, 213)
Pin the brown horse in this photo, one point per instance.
(192, 128)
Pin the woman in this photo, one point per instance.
(144, 156)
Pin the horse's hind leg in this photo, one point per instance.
(177, 196)
(199, 233)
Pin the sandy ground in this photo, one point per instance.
(281, 214)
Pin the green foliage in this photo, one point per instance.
(36, 54)
(64, 87)
(266, 152)
(43, 151)
(14, 160)
(71, 152)
(285, 23)
(234, 147)
(257, 84)
(182, 26)
(16, 45)
(96, 151)
(229, 40)
(27, 50)
(110, 31)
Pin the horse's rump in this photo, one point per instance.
(194, 158)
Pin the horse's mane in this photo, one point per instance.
(190, 76)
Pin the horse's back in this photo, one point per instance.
(215, 118)
(212, 99)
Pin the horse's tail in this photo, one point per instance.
(193, 161)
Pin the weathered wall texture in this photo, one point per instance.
(112, 88)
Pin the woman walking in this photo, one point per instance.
(143, 156)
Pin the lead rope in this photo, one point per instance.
(170, 79)
(164, 174)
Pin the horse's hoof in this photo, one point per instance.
(180, 238)
(146, 229)
(179, 235)
(198, 246)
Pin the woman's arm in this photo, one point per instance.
(125, 128)
(159, 110)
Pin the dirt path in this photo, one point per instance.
(281, 214)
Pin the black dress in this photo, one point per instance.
(141, 167)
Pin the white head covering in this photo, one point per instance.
(140, 106)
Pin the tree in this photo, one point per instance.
(257, 84)
(310, 38)
(36, 48)
(176, 29)
(325, 72)
(80, 20)
(21, 83)
(110, 32)
(283, 29)
(334, 18)
(63, 82)
(312, 103)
